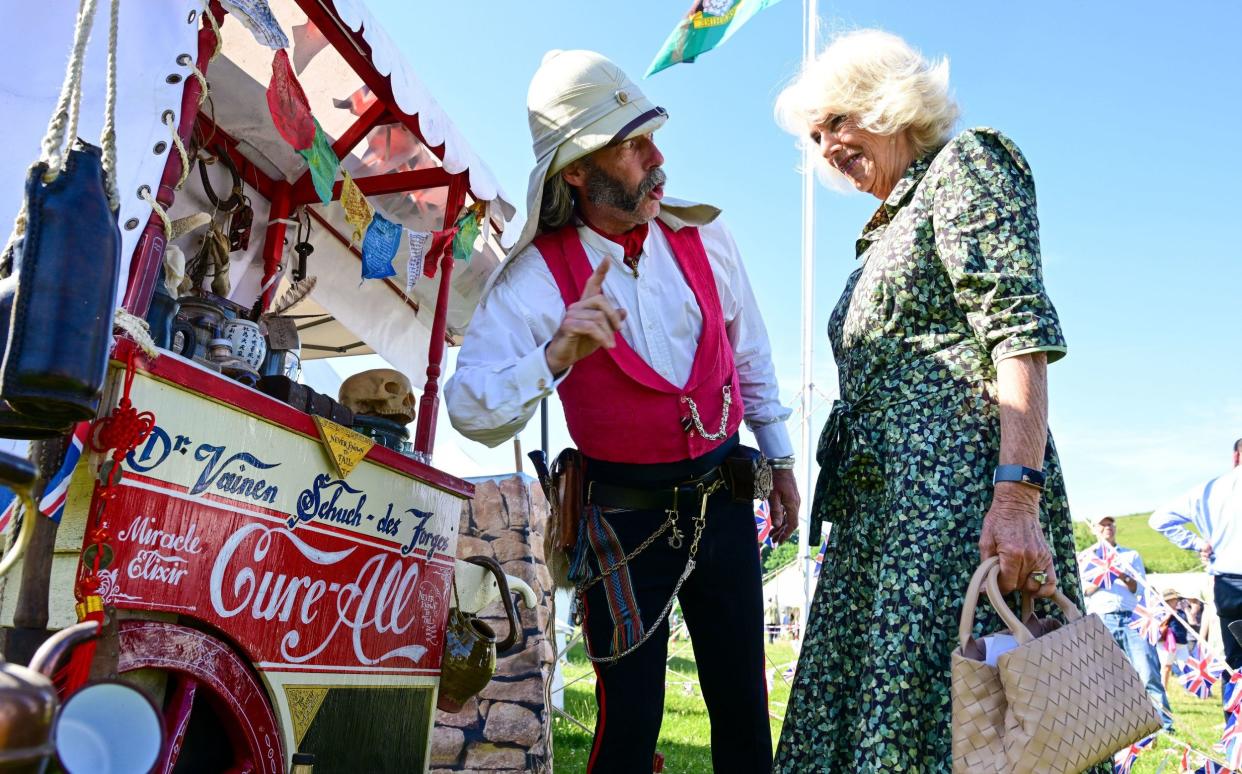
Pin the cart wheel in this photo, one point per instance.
(216, 715)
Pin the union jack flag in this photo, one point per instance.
(763, 523)
(819, 559)
(1102, 566)
(1212, 767)
(53, 503)
(1200, 673)
(1147, 621)
(1232, 698)
(1233, 746)
(1123, 760)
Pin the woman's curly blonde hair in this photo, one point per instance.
(880, 80)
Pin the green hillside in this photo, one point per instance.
(1159, 555)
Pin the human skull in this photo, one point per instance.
(379, 392)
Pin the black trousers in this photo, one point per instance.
(722, 602)
(1228, 592)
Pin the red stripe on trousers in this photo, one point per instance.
(599, 681)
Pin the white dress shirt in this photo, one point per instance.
(1214, 509)
(501, 370)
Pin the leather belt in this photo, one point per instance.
(666, 498)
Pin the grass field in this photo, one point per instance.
(685, 734)
(1159, 555)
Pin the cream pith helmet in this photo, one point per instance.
(578, 102)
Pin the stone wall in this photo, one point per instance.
(507, 727)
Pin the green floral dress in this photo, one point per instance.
(949, 283)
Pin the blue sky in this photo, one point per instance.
(1128, 113)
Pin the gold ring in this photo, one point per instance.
(1040, 577)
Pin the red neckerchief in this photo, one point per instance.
(631, 242)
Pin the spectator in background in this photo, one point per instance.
(1176, 636)
(773, 612)
(1214, 509)
(1113, 596)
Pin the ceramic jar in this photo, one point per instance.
(204, 316)
(248, 341)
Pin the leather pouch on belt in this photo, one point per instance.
(748, 474)
(568, 477)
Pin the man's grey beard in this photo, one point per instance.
(604, 190)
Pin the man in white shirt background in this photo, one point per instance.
(1114, 602)
(637, 309)
(1214, 510)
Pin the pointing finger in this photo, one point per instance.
(595, 283)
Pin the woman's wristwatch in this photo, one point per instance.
(1019, 474)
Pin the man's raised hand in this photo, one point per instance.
(590, 323)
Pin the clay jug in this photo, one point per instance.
(470, 645)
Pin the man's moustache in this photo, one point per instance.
(654, 179)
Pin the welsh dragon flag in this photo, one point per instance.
(708, 24)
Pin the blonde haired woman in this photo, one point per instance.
(938, 450)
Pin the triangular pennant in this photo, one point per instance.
(345, 447)
(358, 210)
(379, 247)
(258, 18)
(323, 164)
(467, 232)
(419, 242)
(291, 112)
(304, 704)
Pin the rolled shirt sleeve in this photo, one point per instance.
(765, 415)
(1171, 518)
(987, 237)
(502, 373)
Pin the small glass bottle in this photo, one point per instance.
(302, 763)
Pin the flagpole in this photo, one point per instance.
(810, 18)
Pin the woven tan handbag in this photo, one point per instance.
(1061, 701)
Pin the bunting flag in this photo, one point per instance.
(56, 492)
(1200, 672)
(1212, 767)
(258, 18)
(441, 243)
(1124, 760)
(358, 210)
(1147, 621)
(1232, 740)
(468, 230)
(323, 164)
(819, 558)
(763, 524)
(419, 242)
(290, 111)
(708, 24)
(1101, 567)
(379, 247)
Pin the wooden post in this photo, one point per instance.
(429, 405)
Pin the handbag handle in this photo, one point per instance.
(65, 119)
(986, 579)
